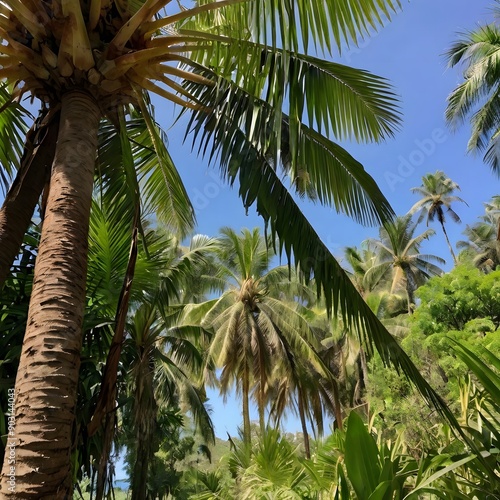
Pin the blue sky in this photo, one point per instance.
(409, 51)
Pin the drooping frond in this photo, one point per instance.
(150, 174)
(239, 124)
(478, 96)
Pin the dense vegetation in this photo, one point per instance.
(114, 322)
(219, 312)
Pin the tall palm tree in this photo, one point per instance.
(399, 253)
(437, 192)
(94, 60)
(478, 96)
(161, 373)
(253, 329)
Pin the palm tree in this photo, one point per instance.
(478, 96)
(483, 237)
(398, 253)
(161, 373)
(437, 192)
(254, 330)
(93, 62)
(158, 277)
(360, 262)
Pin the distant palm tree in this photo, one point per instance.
(254, 327)
(398, 249)
(160, 372)
(437, 192)
(478, 96)
(360, 261)
(483, 237)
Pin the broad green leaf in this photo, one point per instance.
(361, 458)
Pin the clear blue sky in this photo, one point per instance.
(409, 52)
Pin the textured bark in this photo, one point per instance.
(449, 244)
(46, 383)
(21, 200)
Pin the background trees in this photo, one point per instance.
(399, 253)
(93, 63)
(477, 96)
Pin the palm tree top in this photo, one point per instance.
(437, 192)
(477, 96)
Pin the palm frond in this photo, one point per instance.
(240, 125)
(153, 172)
(291, 24)
(13, 128)
(365, 107)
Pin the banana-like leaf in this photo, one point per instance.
(361, 458)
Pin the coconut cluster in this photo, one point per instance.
(112, 49)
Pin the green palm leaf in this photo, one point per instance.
(240, 127)
(293, 24)
(478, 96)
(12, 133)
(349, 102)
(156, 178)
(259, 183)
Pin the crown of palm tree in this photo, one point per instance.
(106, 48)
(478, 96)
(399, 252)
(483, 237)
(437, 192)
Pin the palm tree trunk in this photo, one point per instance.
(21, 200)
(410, 287)
(449, 244)
(103, 464)
(145, 410)
(247, 435)
(262, 419)
(338, 424)
(47, 377)
(305, 434)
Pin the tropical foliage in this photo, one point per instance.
(477, 97)
(114, 330)
(91, 66)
